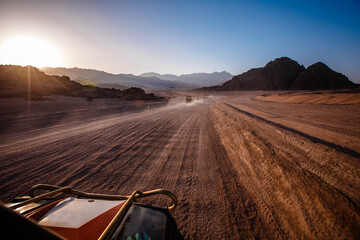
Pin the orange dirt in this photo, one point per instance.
(241, 168)
(324, 97)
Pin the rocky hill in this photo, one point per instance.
(285, 74)
(29, 82)
(320, 76)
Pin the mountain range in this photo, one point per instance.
(286, 74)
(199, 79)
(280, 74)
(148, 81)
(29, 82)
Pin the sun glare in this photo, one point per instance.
(25, 50)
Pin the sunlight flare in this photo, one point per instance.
(28, 50)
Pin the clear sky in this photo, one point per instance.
(189, 36)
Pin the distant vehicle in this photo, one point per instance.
(81, 215)
(188, 99)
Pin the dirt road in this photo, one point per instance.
(241, 168)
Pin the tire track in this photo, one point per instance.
(236, 175)
(311, 138)
(291, 199)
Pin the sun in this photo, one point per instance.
(28, 50)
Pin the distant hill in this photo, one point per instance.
(17, 81)
(198, 79)
(285, 74)
(121, 81)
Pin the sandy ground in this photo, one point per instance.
(322, 97)
(241, 168)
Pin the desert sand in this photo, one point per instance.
(322, 97)
(242, 168)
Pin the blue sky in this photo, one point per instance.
(191, 36)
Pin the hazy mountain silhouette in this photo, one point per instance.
(121, 81)
(170, 77)
(284, 74)
(199, 79)
(29, 82)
